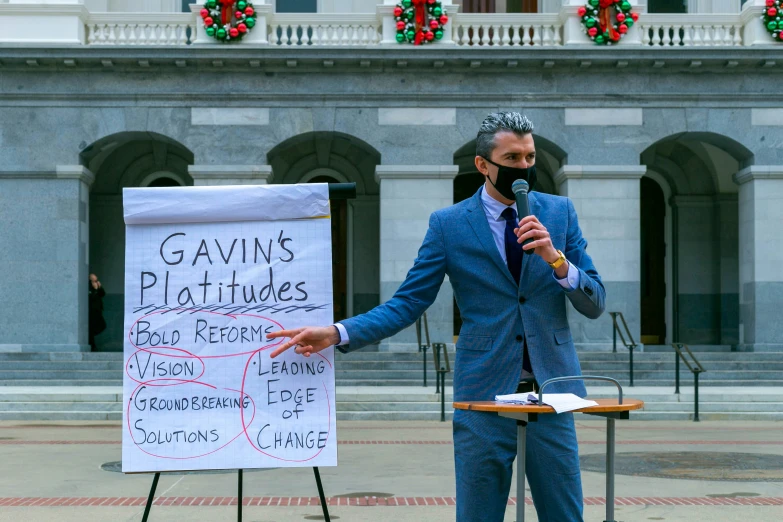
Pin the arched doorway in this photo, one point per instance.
(689, 198)
(549, 158)
(332, 157)
(128, 159)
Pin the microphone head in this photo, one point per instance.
(520, 186)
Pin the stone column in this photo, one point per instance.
(753, 31)
(43, 21)
(44, 259)
(728, 238)
(760, 257)
(409, 194)
(210, 175)
(606, 199)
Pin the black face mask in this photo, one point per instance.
(508, 175)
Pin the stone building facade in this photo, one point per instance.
(670, 146)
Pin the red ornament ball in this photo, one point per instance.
(635, 16)
(238, 14)
(430, 1)
(204, 13)
(398, 11)
(208, 21)
(400, 25)
(249, 11)
(770, 3)
(234, 32)
(772, 11)
(429, 35)
(242, 28)
(581, 11)
(620, 17)
(444, 19)
(592, 31)
(780, 35)
(622, 29)
(434, 24)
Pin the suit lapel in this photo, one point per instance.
(478, 221)
(534, 210)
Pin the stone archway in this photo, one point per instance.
(127, 159)
(336, 157)
(700, 257)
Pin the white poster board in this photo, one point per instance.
(209, 271)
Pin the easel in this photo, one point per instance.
(336, 191)
(324, 507)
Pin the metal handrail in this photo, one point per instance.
(696, 369)
(581, 378)
(630, 345)
(440, 374)
(423, 347)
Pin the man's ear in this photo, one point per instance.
(481, 165)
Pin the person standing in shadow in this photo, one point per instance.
(97, 323)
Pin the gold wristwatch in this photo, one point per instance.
(559, 261)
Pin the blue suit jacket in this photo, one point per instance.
(496, 313)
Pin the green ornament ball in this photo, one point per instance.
(221, 33)
(250, 22)
(780, 25)
(594, 3)
(437, 11)
(625, 6)
(410, 35)
(438, 34)
(628, 22)
(210, 31)
(600, 39)
(400, 37)
(590, 22)
(406, 3)
(241, 5)
(211, 4)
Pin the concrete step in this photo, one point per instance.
(716, 407)
(61, 356)
(60, 416)
(113, 366)
(61, 406)
(61, 382)
(397, 415)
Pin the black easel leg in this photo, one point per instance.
(151, 497)
(321, 494)
(239, 496)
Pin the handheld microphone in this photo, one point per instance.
(520, 188)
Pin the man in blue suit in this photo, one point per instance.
(514, 331)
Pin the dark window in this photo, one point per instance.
(186, 5)
(296, 6)
(521, 6)
(667, 6)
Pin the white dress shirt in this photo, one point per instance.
(497, 225)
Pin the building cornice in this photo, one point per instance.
(758, 172)
(567, 172)
(416, 172)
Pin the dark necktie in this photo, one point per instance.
(514, 262)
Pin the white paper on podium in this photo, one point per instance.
(560, 402)
(208, 273)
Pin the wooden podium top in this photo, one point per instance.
(604, 406)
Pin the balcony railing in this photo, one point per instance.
(503, 30)
(140, 29)
(485, 31)
(691, 31)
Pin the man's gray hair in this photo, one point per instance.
(500, 122)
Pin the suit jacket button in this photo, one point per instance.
(519, 337)
(588, 290)
(521, 300)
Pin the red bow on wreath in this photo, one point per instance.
(421, 19)
(605, 19)
(227, 11)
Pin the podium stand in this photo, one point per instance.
(611, 409)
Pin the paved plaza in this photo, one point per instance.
(396, 470)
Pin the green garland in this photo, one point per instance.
(772, 19)
(597, 20)
(419, 21)
(228, 20)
